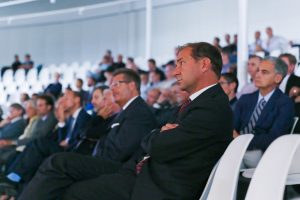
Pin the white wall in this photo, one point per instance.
(175, 22)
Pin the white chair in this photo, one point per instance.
(20, 76)
(270, 176)
(296, 119)
(8, 77)
(222, 182)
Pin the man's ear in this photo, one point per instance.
(278, 78)
(206, 64)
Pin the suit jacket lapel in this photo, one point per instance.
(269, 106)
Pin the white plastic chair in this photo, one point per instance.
(8, 77)
(20, 76)
(296, 119)
(269, 178)
(223, 179)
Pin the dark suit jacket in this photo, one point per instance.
(12, 131)
(54, 89)
(79, 127)
(127, 131)
(292, 81)
(182, 158)
(275, 119)
(42, 128)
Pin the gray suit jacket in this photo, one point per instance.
(41, 128)
(13, 130)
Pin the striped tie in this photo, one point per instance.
(255, 115)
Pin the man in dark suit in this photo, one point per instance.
(54, 88)
(69, 127)
(180, 155)
(13, 126)
(267, 113)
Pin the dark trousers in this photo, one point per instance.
(71, 176)
(27, 162)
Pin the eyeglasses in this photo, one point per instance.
(117, 83)
(223, 82)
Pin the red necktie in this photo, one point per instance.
(139, 166)
(184, 105)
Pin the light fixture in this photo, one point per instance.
(52, 1)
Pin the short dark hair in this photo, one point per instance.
(151, 60)
(204, 49)
(18, 106)
(48, 99)
(255, 56)
(231, 78)
(101, 88)
(80, 80)
(292, 59)
(129, 75)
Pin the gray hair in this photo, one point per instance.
(280, 66)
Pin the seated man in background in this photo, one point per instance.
(69, 127)
(13, 126)
(180, 155)
(55, 88)
(41, 123)
(267, 113)
(252, 67)
(230, 84)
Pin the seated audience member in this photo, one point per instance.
(126, 130)
(84, 94)
(256, 46)
(153, 68)
(266, 113)
(104, 111)
(291, 80)
(23, 98)
(54, 88)
(145, 84)
(216, 43)
(274, 42)
(180, 155)
(16, 64)
(252, 67)
(227, 65)
(27, 64)
(155, 78)
(230, 84)
(13, 126)
(69, 128)
(8, 147)
(91, 82)
(119, 64)
(130, 64)
(170, 79)
(152, 96)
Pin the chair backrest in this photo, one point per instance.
(223, 179)
(269, 178)
(296, 119)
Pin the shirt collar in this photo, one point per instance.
(266, 97)
(15, 119)
(76, 113)
(129, 102)
(196, 94)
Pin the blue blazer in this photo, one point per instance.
(275, 120)
(79, 126)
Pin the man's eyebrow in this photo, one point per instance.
(179, 59)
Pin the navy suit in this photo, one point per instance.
(26, 163)
(54, 89)
(275, 119)
(181, 160)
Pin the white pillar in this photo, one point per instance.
(242, 42)
(148, 28)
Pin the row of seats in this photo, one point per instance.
(279, 166)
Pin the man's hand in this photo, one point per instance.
(294, 91)
(168, 127)
(64, 143)
(4, 143)
(106, 111)
(235, 134)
